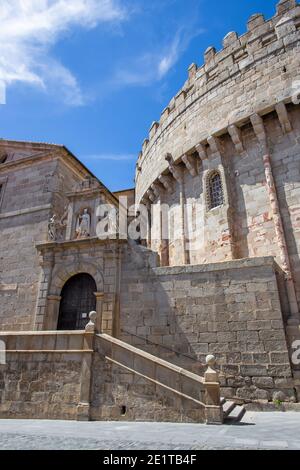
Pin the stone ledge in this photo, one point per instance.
(54, 351)
(40, 246)
(150, 357)
(268, 406)
(25, 211)
(266, 261)
(6, 288)
(44, 333)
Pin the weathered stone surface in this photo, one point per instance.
(237, 120)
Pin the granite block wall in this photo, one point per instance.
(233, 310)
(42, 376)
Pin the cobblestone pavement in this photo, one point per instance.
(256, 431)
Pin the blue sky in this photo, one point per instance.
(94, 74)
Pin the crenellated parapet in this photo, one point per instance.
(253, 73)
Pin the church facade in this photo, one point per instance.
(213, 268)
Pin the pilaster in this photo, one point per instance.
(259, 129)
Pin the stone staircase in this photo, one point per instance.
(232, 412)
(197, 392)
(198, 397)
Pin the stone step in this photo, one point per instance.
(228, 406)
(222, 401)
(236, 414)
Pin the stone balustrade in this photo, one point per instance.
(54, 374)
(196, 394)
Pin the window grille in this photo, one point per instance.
(216, 197)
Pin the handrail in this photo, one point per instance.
(151, 357)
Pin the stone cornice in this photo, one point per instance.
(263, 262)
(46, 246)
(88, 193)
(235, 132)
(29, 210)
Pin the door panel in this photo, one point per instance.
(77, 299)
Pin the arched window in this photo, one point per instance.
(216, 197)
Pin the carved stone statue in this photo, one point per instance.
(52, 224)
(56, 227)
(83, 226)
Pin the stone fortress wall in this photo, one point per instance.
(237, 108)
(227, 281)
(236, 310)
(251, 74)
(33, 184)
(237, 116)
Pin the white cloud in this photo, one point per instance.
(171, 57)
(111, 157)
(29, 28)
(152, 67)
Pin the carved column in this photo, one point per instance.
(83, 407)
(213, 408)
(70, 220)
(219, 221)
(163, 242)
(259, 129)
(154, 195)
(41, 314)
(147, 204)
(99, 303)
(177, 173)
(51, 319)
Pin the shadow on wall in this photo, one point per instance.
(149, 313)
(232, 310)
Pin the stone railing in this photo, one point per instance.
(47, 374)
(202, 393)
(46, 342)
(50, 374)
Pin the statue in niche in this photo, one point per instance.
(83, 225)
(52, 226)
(56, 227)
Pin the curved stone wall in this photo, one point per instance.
(249, 75)
(237, 117)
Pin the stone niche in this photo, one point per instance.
(83, 204)
(78, 252)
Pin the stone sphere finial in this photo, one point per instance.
(93, 316)
(210, 360)
(90, 327)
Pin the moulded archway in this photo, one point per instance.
(77, 300)
(60, 276)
